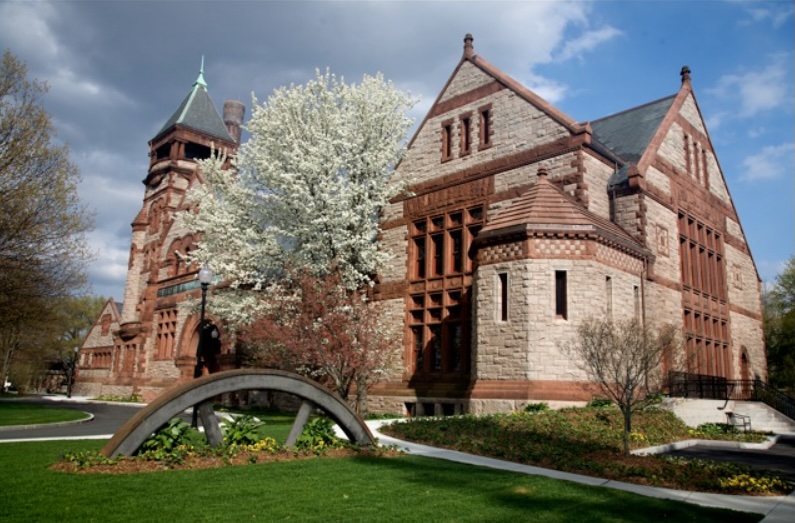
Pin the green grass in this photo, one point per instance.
(28, 414)
(401, 489)
(277, 424)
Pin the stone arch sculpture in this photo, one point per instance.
(129, 438)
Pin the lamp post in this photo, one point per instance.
(205, 279)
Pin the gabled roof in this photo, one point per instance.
(544, 208)
(628, 133)
(198, 112)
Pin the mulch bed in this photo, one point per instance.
(136, 465)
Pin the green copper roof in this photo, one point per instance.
(198, 112)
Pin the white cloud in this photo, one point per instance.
(769, 270)
(587, 42)
(550, 90)
(25, 29)
(773, 161)
(776, 14)
(757, 90)
(70, 87)
(756, 132)
(109, 270)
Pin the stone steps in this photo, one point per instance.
(764, 417)
(694, 412)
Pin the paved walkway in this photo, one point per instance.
(779, 458)
(777, 509)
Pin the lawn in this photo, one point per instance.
(347, 489)
(12, 413)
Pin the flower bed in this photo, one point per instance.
(588, 441)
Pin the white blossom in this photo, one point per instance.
(304, 192)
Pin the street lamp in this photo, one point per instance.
(205, 279)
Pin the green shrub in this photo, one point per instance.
(653, 398)
(166, 440)
(132, 398)
(87, 458)
(242, 430)
(597, 403)
(536, 407)
(715, 429)
(318, 435)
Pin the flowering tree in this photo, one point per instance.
(334, 335)
(304, 192)
(624, 358)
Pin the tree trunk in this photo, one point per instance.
(361, 397)
(627, 413)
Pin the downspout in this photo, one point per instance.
(643, 273)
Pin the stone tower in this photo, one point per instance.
(154, 342)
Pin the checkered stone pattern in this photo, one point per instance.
(570, 248)
(618, 259)
(500, 253)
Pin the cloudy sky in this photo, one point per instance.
(118, 69)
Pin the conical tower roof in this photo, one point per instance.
(198, 112)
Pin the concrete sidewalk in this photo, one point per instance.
(777, 509)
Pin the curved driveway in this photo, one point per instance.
(108, 417)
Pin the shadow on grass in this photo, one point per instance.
(543, 498)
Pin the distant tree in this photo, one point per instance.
(27, 336)
(779, 311)
(42, 222)
(76, 316)
(320, 329)
(624, 358)
(305, 192)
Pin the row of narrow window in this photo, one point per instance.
(702, 261)
(441, 244)
(166, 334)
(465, 124)
(703, 271)
(561, 296)
(439, 319)
(696, 160)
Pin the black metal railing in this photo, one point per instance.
(702, 386)
(775, 398)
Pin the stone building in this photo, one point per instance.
(523, 222)
(152, 344)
